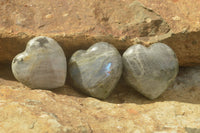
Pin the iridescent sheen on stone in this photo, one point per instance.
(42, 65)
(97, 70)
(150, 70)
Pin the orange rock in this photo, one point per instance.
(121, 23)
(66, 110)
(132, 111)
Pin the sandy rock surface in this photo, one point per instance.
(125, 111)
(81, 23)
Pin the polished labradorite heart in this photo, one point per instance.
(42, 65)
(97, 70)
(150, 70)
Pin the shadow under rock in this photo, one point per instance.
(186, 88)
(67, 89)
(6, 72)
(123, 93)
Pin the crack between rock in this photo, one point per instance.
(33, 125)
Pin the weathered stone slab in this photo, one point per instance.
(78, 25)
(66, 110)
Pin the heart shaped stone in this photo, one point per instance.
(42, 64)
(150, 70)
(96, 71)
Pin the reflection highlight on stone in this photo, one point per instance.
(97, 70)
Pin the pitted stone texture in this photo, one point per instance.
(42, 64)
(97, 70)
(126, 23)
(64, 110)
(150, 70)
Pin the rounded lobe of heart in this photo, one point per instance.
(150, 70)
(97, 70)
(42, 65)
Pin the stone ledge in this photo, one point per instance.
(77, 25)
(66, 110)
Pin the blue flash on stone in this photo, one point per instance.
(99, 68)
(108, 69)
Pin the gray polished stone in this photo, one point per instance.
(150, 70)
(42, 65)
(97, 70)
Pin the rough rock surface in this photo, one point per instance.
(81, 23)
(125, 111)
